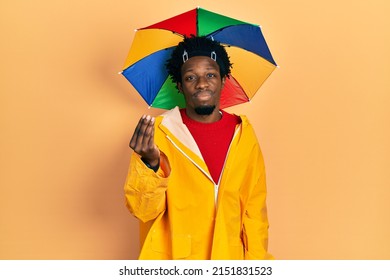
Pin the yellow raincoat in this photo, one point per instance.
(184, 214)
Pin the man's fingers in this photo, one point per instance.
(148, 134)
(151, 138)
(134, 138)
(143, 135)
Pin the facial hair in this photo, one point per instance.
(205, 110)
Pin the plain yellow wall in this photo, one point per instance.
(66, 117)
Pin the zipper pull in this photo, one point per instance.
(216, 187)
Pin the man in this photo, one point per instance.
(196, 180)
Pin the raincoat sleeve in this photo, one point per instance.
(255, 222)
(145, 190)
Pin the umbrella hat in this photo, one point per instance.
(152, 46)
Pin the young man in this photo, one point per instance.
(196, 180)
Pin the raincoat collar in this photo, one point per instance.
(172, 124)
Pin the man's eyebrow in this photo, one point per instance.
(207, 68)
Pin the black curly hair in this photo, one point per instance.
(195, 46)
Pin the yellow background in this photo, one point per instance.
(66, 117)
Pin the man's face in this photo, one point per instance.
(201, 84)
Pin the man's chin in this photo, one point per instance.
(205, 110)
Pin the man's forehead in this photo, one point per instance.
(200, 60)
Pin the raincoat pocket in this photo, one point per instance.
(181, 246)
(159, 243)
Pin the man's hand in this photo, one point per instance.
(142, 141)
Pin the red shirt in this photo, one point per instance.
(213, 139)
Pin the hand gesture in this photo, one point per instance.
(142, 141)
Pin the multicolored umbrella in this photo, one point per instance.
(152, 46)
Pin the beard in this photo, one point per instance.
(205, 110)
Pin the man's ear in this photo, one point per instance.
(179, 86)
(223, 81)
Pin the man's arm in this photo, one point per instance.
(146, 182)
(255, 221)
(145, 190)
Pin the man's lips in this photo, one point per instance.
(203, 94)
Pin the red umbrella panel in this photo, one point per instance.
(152, 47)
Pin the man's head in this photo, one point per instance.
(197, 46)
(199, 67)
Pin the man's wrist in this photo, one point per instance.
(153, 167)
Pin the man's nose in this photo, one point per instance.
(202, 83)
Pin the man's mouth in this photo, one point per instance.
(203, 95)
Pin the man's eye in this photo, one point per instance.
(189, 78)
(211, 75)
